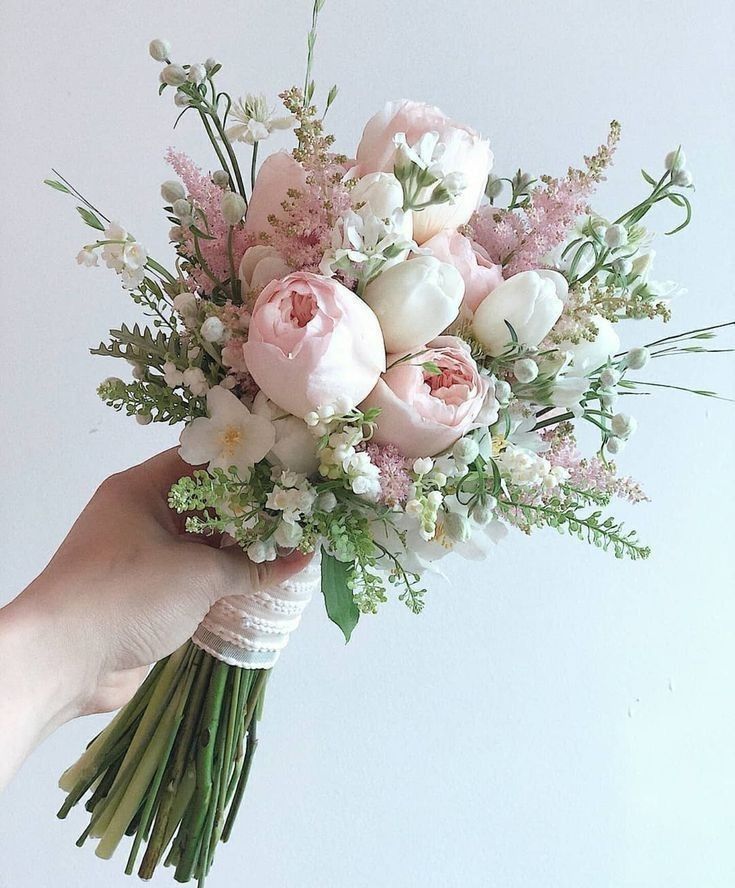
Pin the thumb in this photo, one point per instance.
(245, 575)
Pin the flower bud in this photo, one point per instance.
(614, 445)
(457, 527)
(209, 64)
(616, 236)
(173, 75)
(482, 512)
(608, 399)
(185, 304)
(220, 178)
(502, 391)
(176, 234)
(182, 209)
(623, 425)
(171, 191)
(143, 418)
(288, 535)
(609, 377)
(675, 160)
(637, 358)
(326, 502)
(213, 330)
(233, 207)
(683, 178)
(623, 266)
(525, 370)
(181, 100)
(494, 187)
(197, 74)
(466, 450)
(160, 50)
(423, 465)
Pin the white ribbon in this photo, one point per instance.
(251, 630)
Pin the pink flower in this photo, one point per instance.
(423, 414)
(312, 341)
(478, 272)
(279, 174)
(464, 151)
(395, 481)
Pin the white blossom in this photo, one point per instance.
(255, 120)
(159, 49)
(195, 380)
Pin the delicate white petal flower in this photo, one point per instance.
(196, 381)
(87, 257)
(255, 120)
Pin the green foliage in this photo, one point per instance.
(146, 399)
(338, 597)
(144, 346)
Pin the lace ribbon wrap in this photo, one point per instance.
(251, 630)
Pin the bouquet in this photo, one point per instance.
(380, 359)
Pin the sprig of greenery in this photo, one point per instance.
(150, 400)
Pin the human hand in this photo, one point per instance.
(126, 588)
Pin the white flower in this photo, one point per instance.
(213, 330)
(675, 160)
(173, 75)
(171, 191)
(609, 378)
(294, 447)
(255, 120)
(466, 450)
(260, 265)
(586, 356)
(568, 392)
(261, 551)
(230, 435)
(159, 49)
(528, 301)
(623, 425)
(288, 535)
(186, 304)
(637, 358)
(195, 380)
(172, 375)
(197, 74)
(382, 193)
(616, 236)
(233, 207)
(528, 469)
(87, 257)
(125, 255)
(614, 445)
(415, 301)
(326, 502)
(292, 495)
(525, 370)
(683, 178)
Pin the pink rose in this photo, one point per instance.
(479, 273)
(312, 341)
(423, 414)
(464, 151)
(279, 173)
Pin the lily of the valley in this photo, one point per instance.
(230, 435)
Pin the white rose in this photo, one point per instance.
(415, 301)
(528, 301)
(260, 265)
(590, 356)
(295, 447)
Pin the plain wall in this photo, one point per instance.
(555, 718)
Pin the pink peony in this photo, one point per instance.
(423, 414)
(464, 151)
(312, 341)
(279, 173)
(479, 273)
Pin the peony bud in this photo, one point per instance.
(637, 358)
(525, 370)
(213, 330)
(160, 50)
(173, 75)
(171, 191)
(415, 301)
(233, 207)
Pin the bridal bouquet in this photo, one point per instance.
(381, 359)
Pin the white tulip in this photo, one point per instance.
(528, 302)
(415, 301)
(260, 265)
(295, 445)
(590, 356)
(382, 191)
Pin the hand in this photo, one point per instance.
(126, 588)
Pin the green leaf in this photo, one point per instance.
(90, 219)
(648, 178)
(341, 607)
(57, 185)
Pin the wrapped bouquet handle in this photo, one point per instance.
(172, 766)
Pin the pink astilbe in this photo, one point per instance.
(206, 197)
(590, 474)
(519, 239)
(394, 477)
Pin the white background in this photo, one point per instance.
(555, 718)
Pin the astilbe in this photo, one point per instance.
(206, 197)
(311, 214)
(518, 239)
(394, 478)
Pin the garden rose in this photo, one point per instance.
(414, 301)
(311, 341)
(259, 266)
(479, 273)
(423, 414)
(528, 301)
(279, 173)
(464, 151)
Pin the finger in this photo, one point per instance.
(242, 571)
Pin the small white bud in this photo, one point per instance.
(257, 552)
(326, 412)
(185, 304)
(181, 100)
(233, 207)
(213, 330)
(494, 187)
(326, 502)
(197, 74)
(623, 266)
(642, 264)
(502, 391)
(637, 358)
(483, 512)
(173, 75)
(423, 465)
(288, 535)
(159, 49)
(616, 236)
(138, 372)
(623, 425)
(440, 479)
(608, 399)
(614, 445)
(609, 377)
(209, 64)
(343, 405)
(675, 160)
(683, 178)
(229, 382)
(182, 209)
(312, 419)
(176, 234)
(457, 527)
(220, 178)
(525, 370)
(466, 450)
(413, 507)
(143, 418)
(171, 191)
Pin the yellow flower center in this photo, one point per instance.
(499, 444)
(231, 437)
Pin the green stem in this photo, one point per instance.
(215, 145)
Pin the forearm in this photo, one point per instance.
(40, 688)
